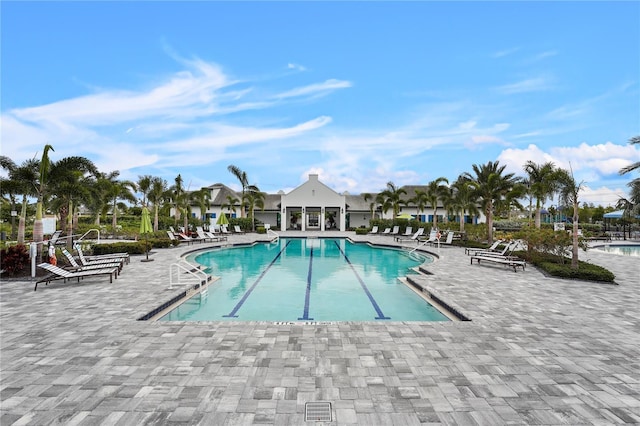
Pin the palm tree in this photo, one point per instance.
(569, 190)
(436, 190)
(420, 200)
(392, 198)
(26, 178)
(254, 199)
(244, 183)
(144, 185)
(202, 197)
(463, 200)
(41, 188)
(627, 208)
(10, 187)
(231, 204)
(119, 190)
(633, 141)
(178, 198)
(542, 183)
(157, 195)
(368, 197)
(489, 186)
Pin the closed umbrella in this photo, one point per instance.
(145, 229)
(222, 220)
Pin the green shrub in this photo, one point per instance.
(138, 247)
(14, 259)
(585, 271)
(261, 230)
(362, 231)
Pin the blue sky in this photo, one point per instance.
(361, 93)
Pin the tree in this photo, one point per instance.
(144, 185)
(254, 199)
(392, 198)
(436, 190)
(420, 200)
(569, 190)
(489, 186)
(119, 190)
(157, 195)
(41, 188)
(244, 183)
(26, 177)
(178, 197)
(231, 204)
(10, 187)
(542, 183)
(368, 197)
(202, 197)
(463, 200)
(634, 166)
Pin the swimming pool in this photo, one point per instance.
(624, 249)
(300, 279)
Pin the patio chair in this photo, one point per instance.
(414, 237)
(105, 263)
(395, 231)
(472, 250)
(374, 230)
(57, 273)
(237, 230)
(386, 231)
(123, 256)
(407, 232)
(433, 236)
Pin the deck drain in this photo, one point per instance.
(317, 411)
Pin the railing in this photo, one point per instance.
(276, 237)
(183, 272)
(89, 231)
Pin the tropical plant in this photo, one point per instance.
(231, 204)
(435, 191)
(391, 198)
(254, 199)
(463, 200)
(201, 197)
(41, 187)
(542, 184)
(244, 183)
(158, 193)
(489, 186)
(144, 186)
(569, 191)
(634, 166)
(119, 190)
(420, 200)
(372, 206)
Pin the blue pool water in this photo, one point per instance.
(307, 280)
(627, 250)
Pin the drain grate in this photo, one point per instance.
(319, 411)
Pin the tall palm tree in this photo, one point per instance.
(119, 190)
(26, 177)
(569, 190)
(489, 186)
(231, 204)
(254, 199)
(178, 195)
(201, 197)
(244, 183)
(391, 198)
(542, 183)
(41, 188)
(372, 205)
(633, 141)
(420, 200)
(157, 195)
(463, 200)
(435, 191)
(10, 187)
(144, 185)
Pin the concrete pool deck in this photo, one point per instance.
(537, 350)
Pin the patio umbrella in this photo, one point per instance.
(222, 220)
(145, 229)
(404, 216)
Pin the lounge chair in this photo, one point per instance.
(237, 230)
(449, 240)
(224, 230)
(432, 237)
(493, 247)
(414, 237)
(395, 231)
(204, 236)
(104, 263)
(185, 237)
(386, 231)
(123, 256)
(507, 261)
(407, 232)
(57, 273)
(374, 230)
(439, 242)
(505, 251)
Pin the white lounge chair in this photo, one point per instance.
(414, 237)
(471, 250)
(395, 231)
(99, 264)
(237, 230)
(374, 230)
(122, 256)
(57, 273)
(386, 231)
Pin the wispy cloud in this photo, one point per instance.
(505, 52)
(535, 84)
(315, 89)
(296, 67)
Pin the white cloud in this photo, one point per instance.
(536, 84)
(315, 89)
(296, 67)
(505, 52)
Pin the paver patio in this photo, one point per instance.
(538, 350)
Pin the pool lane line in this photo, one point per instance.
(307, 297)
(232, 314)
(364, 286)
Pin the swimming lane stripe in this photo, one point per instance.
(307, 297)
(364, 286)
(232, 314)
